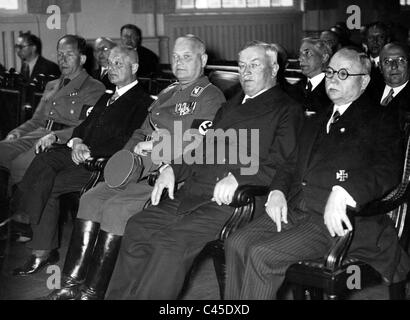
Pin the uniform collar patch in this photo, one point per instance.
(196, 92)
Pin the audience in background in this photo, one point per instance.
(314, 55)
(131, 36)
(102, 49)
(28, 48)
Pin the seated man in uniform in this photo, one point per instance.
(103, 210)
(161, 242)
(348, 157)
(62, 108)
(106, 130)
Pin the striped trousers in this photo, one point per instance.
(258, 256)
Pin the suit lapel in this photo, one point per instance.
(251, 109)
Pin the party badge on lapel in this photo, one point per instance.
(184, 108)
(196, 92)
(342, 130)
(342, 175)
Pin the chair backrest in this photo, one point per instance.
(225, 81)
(399, 215)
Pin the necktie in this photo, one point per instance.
(388, 98)
(64, 82)
(308, 87)
(335, 118)
(25, 70)
(113, 98)
(103, 73)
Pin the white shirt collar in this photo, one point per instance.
(396, 90)
(31, 64)
(375, 60)
(316, 80)
(124, 89)
(103, 69)
(259, 93)
(342, 109)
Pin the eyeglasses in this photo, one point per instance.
(251, 66)
(400, 61)
(115, 65)
(103, 49)
(20, 46)
(342, 73)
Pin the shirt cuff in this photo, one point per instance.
(161, 168)
(71, 143)
(349, 199)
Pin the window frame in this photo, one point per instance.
(22, 9)
(297, 7)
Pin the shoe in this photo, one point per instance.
(35, 264)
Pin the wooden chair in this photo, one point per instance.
(329, 276)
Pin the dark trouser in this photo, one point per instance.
(50, 175)
(257, 256)
(159, 246)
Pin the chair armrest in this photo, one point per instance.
(96, 165)
(247, 193)
(93, 164)
(244, 203)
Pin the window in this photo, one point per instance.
(13, 6)
(233, 4)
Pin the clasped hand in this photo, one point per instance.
(80, 153)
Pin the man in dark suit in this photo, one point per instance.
(33, 64)
(314, 55)
(377, 36)
(161, 242)
(102, 49)
(131, 36)
(348, 157)
(394, 63)
(105, 131)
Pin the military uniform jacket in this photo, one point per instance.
(266, 126)
(363, 154)
(191, 107)
(67, 106)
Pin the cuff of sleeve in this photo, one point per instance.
(161, 168)
(349, 199)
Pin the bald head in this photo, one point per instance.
(394, 64)
(122, 65)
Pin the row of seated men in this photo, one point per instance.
(346, 153)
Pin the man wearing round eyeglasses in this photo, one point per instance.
(102, 49)
(348, 157)
(395, 68)
(28, 48)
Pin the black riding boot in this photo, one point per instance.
(77, 260)
(101, 267)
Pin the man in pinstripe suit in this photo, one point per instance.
(348, 157)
